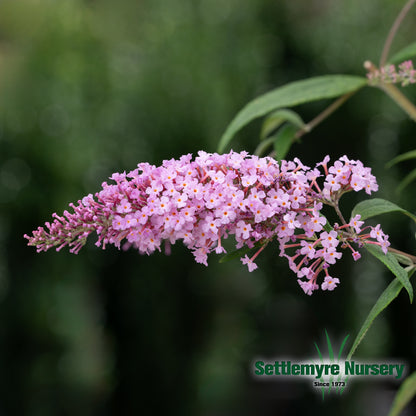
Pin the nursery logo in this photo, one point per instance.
(328, 375)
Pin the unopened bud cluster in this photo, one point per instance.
(405, 74)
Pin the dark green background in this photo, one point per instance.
(88, 88)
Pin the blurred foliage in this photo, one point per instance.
(93, 87)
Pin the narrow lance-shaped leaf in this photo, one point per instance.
(393, 265)
(263, 146)
(372, 207)
(276, 119)
(239, 252)
(290, 95)
(411, 176)
(283, 140)
(389, 294)
(401, 158)
(406, 53)
(405, 394)
(407, 180)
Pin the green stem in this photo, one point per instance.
(400, 99)
(308, 127)
(393, 30)
(403, 254)
(324, 115)
(339, 213)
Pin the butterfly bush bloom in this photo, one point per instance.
(204, 201)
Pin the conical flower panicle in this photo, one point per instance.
(205, 200)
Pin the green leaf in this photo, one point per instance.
(289, 95)
(372, 207)
(401, 158)
(389, 294)
(276, 119)
(406, 53)
(393, 265)
(263, 146)
(327, 226)
(234, 254)
(283, 140)
(404, 395)
(407, 180)
(239, 252)
(403, 259)
(411, 271)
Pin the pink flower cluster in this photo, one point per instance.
(405, 74)
(202, 202)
